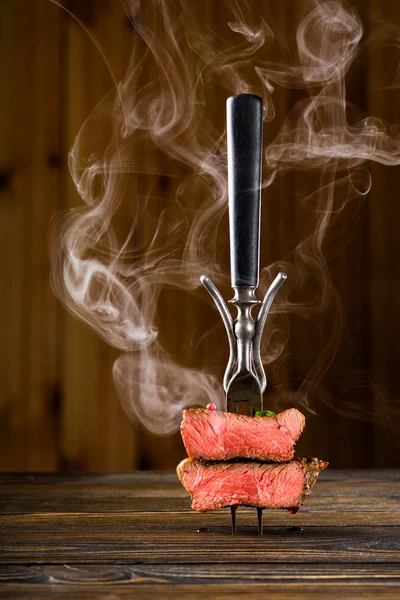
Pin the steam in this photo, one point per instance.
(111, 276)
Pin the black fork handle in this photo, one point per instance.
(244, 133)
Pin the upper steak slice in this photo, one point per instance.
(217, 485)
(215, 435)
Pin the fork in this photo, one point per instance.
(244, 379)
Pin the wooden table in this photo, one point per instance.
(134, 535)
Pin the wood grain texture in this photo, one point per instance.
(384, 267)
(111, 536)
(96, 434)
(58, 405)
(198, 592)
(31, 145)
(200, 581)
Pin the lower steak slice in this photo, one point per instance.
(263, 485)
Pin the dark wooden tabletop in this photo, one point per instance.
(134, 535)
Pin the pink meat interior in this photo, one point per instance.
(214, 435)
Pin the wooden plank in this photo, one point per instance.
(154, 197)
(377, 574)
(145, 518)
(31, 46)
(312, 514)
(383, 263)
(317, 267)
(159, 512)
(87, 581)
(172, 538)
(96, 433)
(198, 592)
(353, 478)
(277, 224)
(11, 270)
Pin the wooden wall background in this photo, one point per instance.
(58, 406)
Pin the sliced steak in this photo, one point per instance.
(215, 435)
(216, 485)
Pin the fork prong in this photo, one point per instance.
(233, 516)
(260, 520)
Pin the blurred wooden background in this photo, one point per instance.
(58, 406)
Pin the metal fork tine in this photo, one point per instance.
(233, 515)
(260, 520)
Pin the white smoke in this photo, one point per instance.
(113, 283)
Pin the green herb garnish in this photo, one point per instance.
(265, 413)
